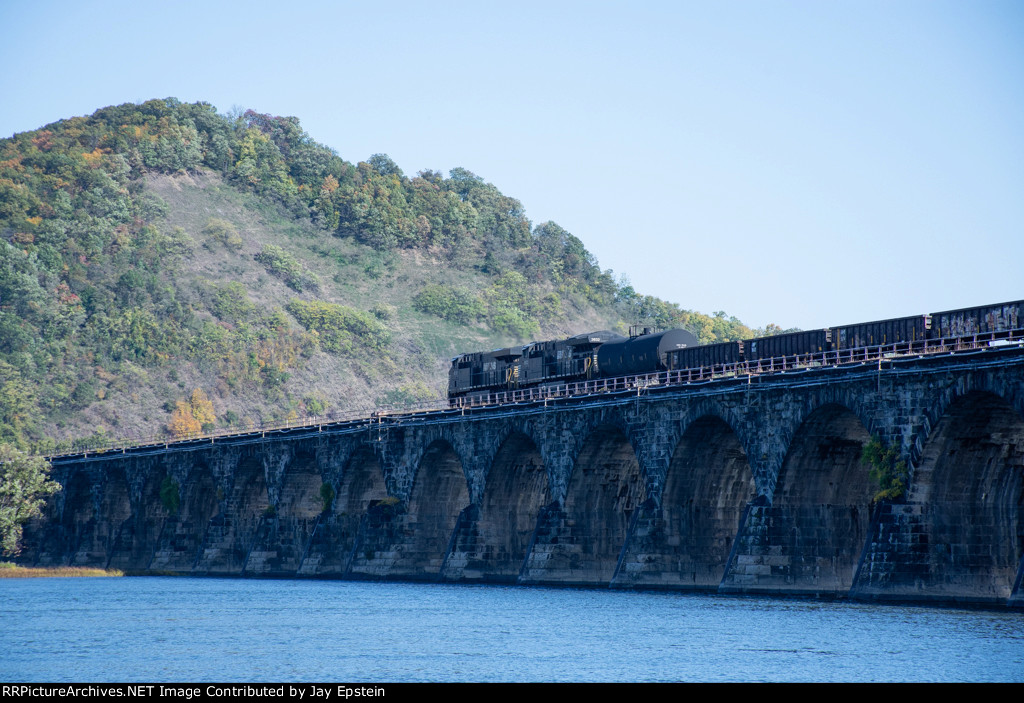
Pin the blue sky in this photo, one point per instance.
(802, 163)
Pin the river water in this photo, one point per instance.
(192, 629)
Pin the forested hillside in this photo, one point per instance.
(165, 269)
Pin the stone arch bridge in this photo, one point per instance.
(752, 484)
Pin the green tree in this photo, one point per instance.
(327, 496)
(448, 303)
(886, 467)
(19, 410)
(383, 164)
(170, 495)
(24, 485)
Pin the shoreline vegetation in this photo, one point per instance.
(9, 570)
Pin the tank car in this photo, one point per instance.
(645, 353)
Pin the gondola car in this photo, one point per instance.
(707, 355)
(789, 345)
(881, 333)
(968, 322)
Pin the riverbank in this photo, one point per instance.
(8, 570)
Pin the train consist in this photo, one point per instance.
(605, 354)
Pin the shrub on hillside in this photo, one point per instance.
(223, 232)
(342, 329)
(448, 303)
(286, 267)
(231, 302)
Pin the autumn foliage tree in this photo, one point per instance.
(192, 416)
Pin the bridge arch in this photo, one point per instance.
(970, 482)
(284, 532)
(249, 496)
(764, 443)
(113, 511)
(709, 408)
(402, 469)
(152, 505)
(821, 506)
(200, 496)
(1011, 394)
(829, 399)
(822, 463)
(605, 489)
(589, 426)
(200, 499)
(512, 437)
(707, 486)
(137, 539)
(299, 496)
(356, 476)
(233, 531)
(440, 492)
(361, 487)
(77, 514)
(516, 488)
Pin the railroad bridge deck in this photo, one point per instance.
(741, 482)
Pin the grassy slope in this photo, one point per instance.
(137, 398)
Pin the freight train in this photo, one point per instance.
(605, 354)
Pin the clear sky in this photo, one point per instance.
(802, 163)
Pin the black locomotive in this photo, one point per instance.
(605, 354)
(598, 354)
